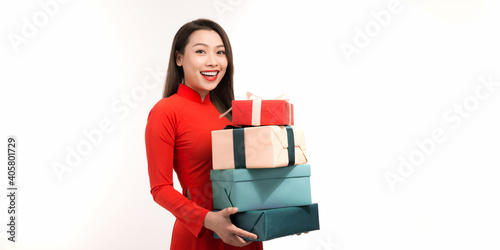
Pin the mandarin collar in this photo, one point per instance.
(191, 94)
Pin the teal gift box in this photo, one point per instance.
(254, 189)
(273, 223)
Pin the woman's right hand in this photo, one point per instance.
(220, 223)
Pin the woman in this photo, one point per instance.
(198, 88)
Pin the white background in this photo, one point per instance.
(88, 62)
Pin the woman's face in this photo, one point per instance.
(204, 61)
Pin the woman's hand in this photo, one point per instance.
(220, 223)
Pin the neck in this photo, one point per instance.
(203, 94)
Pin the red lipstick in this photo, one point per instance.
(210, 75)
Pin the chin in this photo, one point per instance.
(210, 85)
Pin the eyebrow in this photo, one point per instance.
(204, 44)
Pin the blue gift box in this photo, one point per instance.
(273, 223)
(254, 189)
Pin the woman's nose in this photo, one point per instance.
(211, 60)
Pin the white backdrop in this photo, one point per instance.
(399, 99)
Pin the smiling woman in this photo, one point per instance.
(198, 88)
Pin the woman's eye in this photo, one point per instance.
(221, 52)
(200, 51)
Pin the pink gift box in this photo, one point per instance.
(258, 147)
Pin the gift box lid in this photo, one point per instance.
(236, 175)
(262, 112)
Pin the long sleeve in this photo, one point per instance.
(160, 143)
(178, 138)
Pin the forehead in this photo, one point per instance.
(208, 37)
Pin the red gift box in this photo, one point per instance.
(262, 112)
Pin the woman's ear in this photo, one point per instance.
(178, 58)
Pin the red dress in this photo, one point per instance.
(178, 138)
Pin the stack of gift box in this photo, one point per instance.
(259, 166)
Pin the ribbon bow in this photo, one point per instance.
(252, 96)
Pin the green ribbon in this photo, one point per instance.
(291, 145)
(239, 146)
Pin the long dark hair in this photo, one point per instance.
(223, 94)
